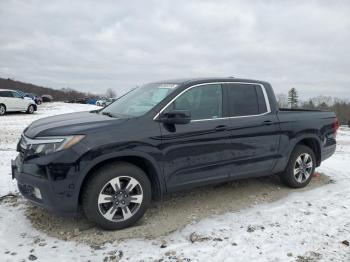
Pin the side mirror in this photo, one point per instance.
(178, 117)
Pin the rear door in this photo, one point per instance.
(197, 152)
(5, 97)
(254, 129)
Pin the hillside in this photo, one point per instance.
(63, 94)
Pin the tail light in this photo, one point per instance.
(336, 126)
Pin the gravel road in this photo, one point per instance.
(173, 213)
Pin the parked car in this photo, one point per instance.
(163, 137)
(91, 101)
(105, 101)
(108, 101)
(24, 95)
(47, 98)
(101, 102)
(12, 101)
(37, 99)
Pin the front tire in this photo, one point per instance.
(30, 109)
(300, 168)
(2, 110)
(116, 196)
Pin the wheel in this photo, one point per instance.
(2, 110)
(116, 196)
(30, 109)
(98, 104)
(301, 166)
(39, 102)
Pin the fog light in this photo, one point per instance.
(37, 193)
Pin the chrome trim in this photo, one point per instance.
(43, 140)
(267, 102)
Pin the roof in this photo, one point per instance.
(205, 79)
(7, 89)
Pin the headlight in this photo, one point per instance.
(47, 145)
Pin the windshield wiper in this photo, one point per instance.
(109, 114)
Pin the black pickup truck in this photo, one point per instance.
(167, 136)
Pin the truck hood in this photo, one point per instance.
(69, 124)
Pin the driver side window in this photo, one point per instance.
(204, 102)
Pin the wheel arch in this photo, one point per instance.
(143, 162)
(314, 145)
(310, 140)
(2, 104)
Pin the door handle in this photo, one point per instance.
(220, 128)
(267, 123)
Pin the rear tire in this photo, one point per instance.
(116, 196)
(30, 109)
(2, 110)
(300, 167)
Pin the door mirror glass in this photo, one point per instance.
(178, 117)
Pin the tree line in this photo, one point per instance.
(327, 103)
(290, 100)
(63, 94)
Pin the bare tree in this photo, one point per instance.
(64, 94)
(308, 104)
(323, 100)
(110, 93)
(340, 106)
(282, 100)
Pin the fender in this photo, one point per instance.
(127, 153)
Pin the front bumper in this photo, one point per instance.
(56, 196)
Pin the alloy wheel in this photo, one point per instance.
(303, 167)
(120, 198)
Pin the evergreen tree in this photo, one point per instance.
(293, 98)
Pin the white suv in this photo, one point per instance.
(11, 101)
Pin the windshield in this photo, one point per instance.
(139, 101)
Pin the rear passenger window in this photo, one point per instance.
(246, 99)
(5, 94)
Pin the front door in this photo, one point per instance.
(197, 152)
(19, 102)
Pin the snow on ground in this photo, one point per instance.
(305, 226)
(13, 124)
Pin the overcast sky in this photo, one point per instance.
(95, 45)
